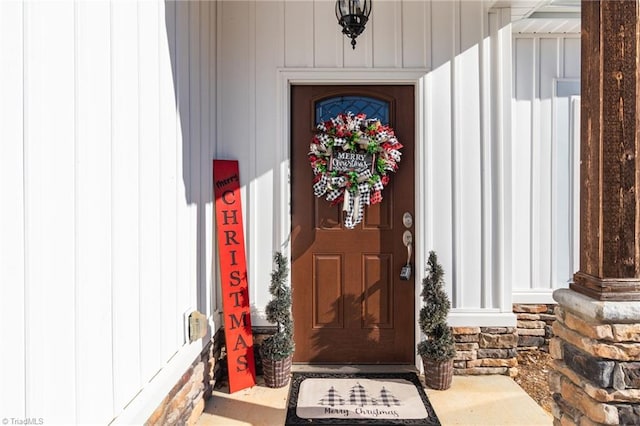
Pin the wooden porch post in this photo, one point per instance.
(610, 169)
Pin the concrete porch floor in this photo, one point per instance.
(471, 400)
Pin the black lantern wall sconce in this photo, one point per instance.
(353, 16)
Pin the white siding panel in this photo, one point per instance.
(541, 162)
(269, 55)
(192, 163)
(298, 33)
(204, 204)
(149, 175)
(169, 182)
(386, 22)
(209, 235)
(327, 37)
(469, 156)
(501, 164)
(184, 252)
(571, 57)
(125, 205)
(521, 155)
(93, 304)
(50, 210)
(441, 135)
(12, 230)
(235, 73)
(416, 33)
(493, 87)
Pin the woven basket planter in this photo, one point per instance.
(276, 373)
(438, 374)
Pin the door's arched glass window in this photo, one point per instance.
(372, 107)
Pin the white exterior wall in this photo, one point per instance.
(110, 115)
(546, 158)
(459, 57)
(107, 124)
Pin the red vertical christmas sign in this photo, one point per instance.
(233, 273)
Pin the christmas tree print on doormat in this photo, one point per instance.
(359, 398)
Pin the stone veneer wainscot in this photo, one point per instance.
(494, 350)
(596, 370)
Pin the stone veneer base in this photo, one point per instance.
(494, 350)
(184, 404)
(596, 373)
(485, 350)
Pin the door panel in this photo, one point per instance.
(378, 291)
(349, 304)
(327, 288)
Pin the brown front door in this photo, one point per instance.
(349, 304)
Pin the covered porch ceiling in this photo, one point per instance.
(543, 16)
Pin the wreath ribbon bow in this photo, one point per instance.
(355, 183)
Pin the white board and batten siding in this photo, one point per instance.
(106, 138)
(13, 362)
(546, 158)
(450, 51)
(110, 115)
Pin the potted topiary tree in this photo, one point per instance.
(438, 350)
(276, 350)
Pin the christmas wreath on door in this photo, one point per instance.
(352, 157)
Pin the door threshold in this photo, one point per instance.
(354, 368)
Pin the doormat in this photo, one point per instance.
(358, 399)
